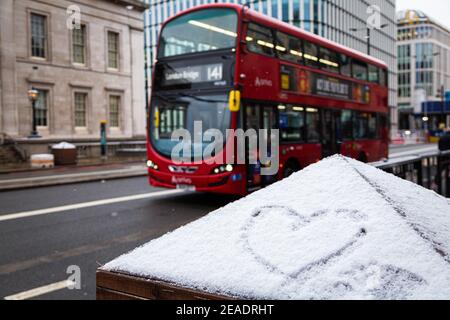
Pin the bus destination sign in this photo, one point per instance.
(193, 74)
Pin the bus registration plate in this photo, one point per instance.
(185, 187)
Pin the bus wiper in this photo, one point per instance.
(201, 99)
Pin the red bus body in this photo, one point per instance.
(258, 77)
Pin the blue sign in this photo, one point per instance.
(435, 107)
(447, 96)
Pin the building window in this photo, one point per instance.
(80, 99)
(404, 57)
(114, 111)
(424, 80)
(113, 50)
(42, 109)
(79, 45)
(424, 53)
(38, 35)
(404, 84)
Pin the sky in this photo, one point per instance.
(437, 9)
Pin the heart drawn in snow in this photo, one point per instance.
(290, 243)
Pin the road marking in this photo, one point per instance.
(69, 207)
(41, 290)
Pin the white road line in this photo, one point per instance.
(39, 212)
(40, 291)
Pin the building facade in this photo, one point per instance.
(423, 71)
(86, 60)
(342, 21)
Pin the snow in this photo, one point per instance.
(64, 145)
(338, 229)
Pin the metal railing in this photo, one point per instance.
(6, 139)
(430, 170)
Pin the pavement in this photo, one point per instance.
(69, 174)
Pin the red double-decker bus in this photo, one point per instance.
(323, 98)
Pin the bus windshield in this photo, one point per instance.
(199, 31)
(182, 111)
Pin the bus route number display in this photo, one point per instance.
(193, 74)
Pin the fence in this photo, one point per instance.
(430, 170)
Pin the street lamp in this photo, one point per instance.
(369, 34)
(33, 95)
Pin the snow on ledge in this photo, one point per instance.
(338, 229)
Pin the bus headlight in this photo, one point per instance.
(152, 165)
(223, 169)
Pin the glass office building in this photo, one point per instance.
(335, 20)
(423, 71)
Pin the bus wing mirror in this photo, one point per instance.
(235, 100)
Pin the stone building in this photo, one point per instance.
(86, 60)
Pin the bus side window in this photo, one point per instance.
(347, 124)
(359, 70)
(329, 60)
(383, 127)
(383, 77)
(259, 40)
(313, 125)
(292, 123)
(360, 126)
(365, 125)
(373, 74)
(311, 54)
(289, 48)
(346, 65)
(372, 123)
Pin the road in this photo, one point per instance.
(45, 230)
(36, 250)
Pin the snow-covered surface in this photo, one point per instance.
(338, 229)
(64, 145)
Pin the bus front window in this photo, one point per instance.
(182, 111)
(199, 31)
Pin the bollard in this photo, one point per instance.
(103, 139)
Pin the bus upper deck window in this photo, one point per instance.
(329, 60)
(373, 74)
(289, 48)
(383, 77)
(346, 65)
(311, 55)
(260, 40)
(359, 70)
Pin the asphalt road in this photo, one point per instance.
(36, 248)
(36, 251)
